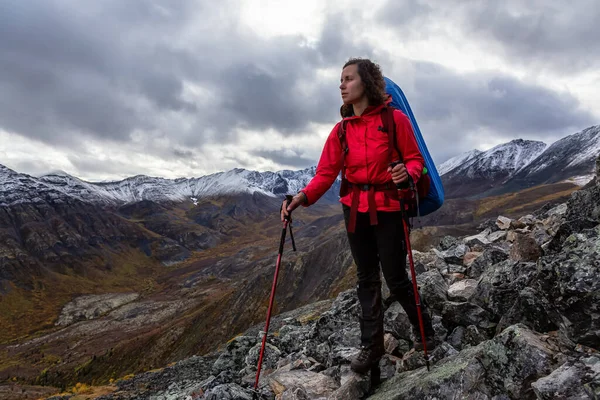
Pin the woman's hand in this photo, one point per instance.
(399, 173)
(286, 209)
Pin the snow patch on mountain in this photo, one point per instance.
(502, 160)
(457, 161)
(590, 140)
(581, 180)
(19, 188)
(573, 151)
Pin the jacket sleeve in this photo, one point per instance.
(407, 143)
(328, 168)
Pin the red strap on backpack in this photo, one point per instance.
(344, 143)
(389, 126)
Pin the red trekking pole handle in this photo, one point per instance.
(287, 222)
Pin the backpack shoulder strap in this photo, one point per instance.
(341, 133)
(389, 126)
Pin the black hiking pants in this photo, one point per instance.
(372, 246)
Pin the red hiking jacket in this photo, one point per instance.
(367, 159)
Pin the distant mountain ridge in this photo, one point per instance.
(457, 161)
(18, 188)
(570, 157)
(521, 164)
(511, 166)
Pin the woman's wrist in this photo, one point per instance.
(302, 197)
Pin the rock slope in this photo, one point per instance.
(515, 312)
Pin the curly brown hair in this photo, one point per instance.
(372, 79)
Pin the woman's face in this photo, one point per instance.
(351, 85)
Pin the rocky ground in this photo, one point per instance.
(516, 312)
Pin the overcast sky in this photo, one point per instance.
(180, 88)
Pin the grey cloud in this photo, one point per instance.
(33, 168)
(182, 153)
(109, 69)
(396, 13)
(497, 101)
(547, 33)
(454, 110)
(542, 34)
(66, 69)
(336, 44)
(70, 72)
(89, 165)
(291, 158)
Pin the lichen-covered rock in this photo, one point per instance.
(315, 385)
(416, 359)
(462, 290)
(491, 256)
(533, 310)
(454, 255)
(481, 239)
(473, 336)
(396, 321)
(569, 381)
(447, 242)
(584, 205)
(503, 222)
(425, 261)
(292, 337)
(354, 387)
(345, 309)
(233, 358)
(465, 313)
(348, 336)
(229, 391)
(541, 236)
(390, 343)
(455, 339)
(470, 257)
(525, 248)
(500, 285)
(271, 356)
(583, 213)
(504, 366)
(488, 224)
(570, 282)
(433, 288)
(496, 236)
(296, 393)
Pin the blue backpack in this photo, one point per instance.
(432, 197)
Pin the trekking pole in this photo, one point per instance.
(413, 274)
(287, 222)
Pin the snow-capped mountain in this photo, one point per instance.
(22, 188)
(521, 164)
(503, 159)
(572, 157)
(490, 168)
(457, 161)
(507, 167)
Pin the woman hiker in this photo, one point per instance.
(370, 202)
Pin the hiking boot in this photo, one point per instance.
(366, 359)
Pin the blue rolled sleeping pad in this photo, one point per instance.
(435, 197)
